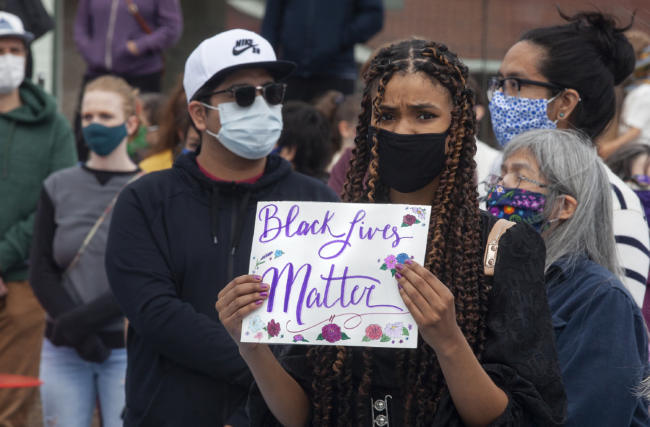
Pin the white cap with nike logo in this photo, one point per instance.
(229, 51)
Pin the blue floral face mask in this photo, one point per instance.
(517, 205)
(512, 115)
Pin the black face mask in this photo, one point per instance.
(409, 162)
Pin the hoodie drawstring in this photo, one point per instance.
(239, 219)
(10, 139)
(214, 214)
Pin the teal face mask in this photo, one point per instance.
(101, 139)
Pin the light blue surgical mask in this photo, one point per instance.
(249, 132)
(512, 115)
(103, 140)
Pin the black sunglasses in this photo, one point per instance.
(245, 95)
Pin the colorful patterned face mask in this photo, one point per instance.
(512, 115)
(517, 205)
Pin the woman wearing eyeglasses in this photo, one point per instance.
(553, 180)
(563, 77)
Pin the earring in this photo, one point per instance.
(561, 115)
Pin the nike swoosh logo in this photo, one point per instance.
(236, 51)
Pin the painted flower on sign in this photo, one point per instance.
(419, 212)
(273, 328)
(391, 262)
(299, 338)
(255, 324)
(373, 332)
(332, 333)
(409, 220)
(401, 258)
(394, 330)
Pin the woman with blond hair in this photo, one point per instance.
(83, 360)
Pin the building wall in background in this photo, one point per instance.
(479, 30)
(43, 52)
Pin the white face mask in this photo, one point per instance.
(249, 132)
(12, 72)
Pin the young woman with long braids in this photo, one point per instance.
(486, 352)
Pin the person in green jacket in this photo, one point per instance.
(35, 140)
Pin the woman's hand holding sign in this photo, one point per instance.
(241, 296)
(431, 304)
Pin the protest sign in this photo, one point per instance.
(331, 269)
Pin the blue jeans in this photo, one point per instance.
(72, 385)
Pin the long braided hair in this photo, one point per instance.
(454, 251)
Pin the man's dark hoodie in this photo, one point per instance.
(176, 239)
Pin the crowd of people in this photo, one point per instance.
(125, 243)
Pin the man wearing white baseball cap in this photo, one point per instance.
(181, 235)
(35, 140)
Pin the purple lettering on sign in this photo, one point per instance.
(273, 227)
(291, 277)
(331, 267)
(339, 291)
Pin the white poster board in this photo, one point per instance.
(331, 268)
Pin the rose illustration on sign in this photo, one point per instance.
(418, 216)
(409, 220)
(391, 332)
(373, 332)
(391, 262)
(332, 333)
(272, 328)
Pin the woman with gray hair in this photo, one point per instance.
(554, 181)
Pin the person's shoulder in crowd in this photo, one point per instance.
(38, 107)
(624, 197)
(298, 186)
(278, 179)
(639, 96)
(591, 279)
(157, 162)
(64, 176)
(633, 245)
